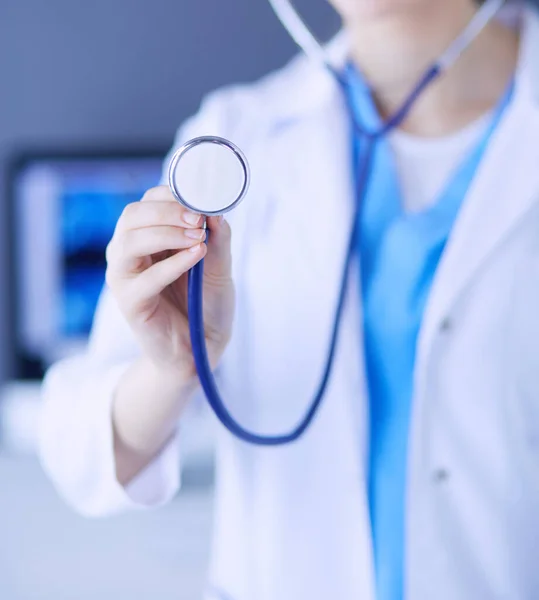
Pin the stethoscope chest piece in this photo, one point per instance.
(209, 175)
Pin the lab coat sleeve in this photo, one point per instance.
(76, 436)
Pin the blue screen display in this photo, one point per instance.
(92, 200)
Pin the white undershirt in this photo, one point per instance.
(425, 165)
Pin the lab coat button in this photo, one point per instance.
(440, 475)
(446, 325)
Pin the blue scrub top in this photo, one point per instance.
(399, 255)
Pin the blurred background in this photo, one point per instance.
(91, 94)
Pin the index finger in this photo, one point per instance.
(159, 193)
(157, 207)
(162, 193)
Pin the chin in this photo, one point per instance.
(357, 9)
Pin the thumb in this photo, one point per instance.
(218, 261)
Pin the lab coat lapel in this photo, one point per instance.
(316, 186)
(504, 189)
(315, 189)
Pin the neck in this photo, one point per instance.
(394, 52)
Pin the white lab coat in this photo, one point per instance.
(292, 522)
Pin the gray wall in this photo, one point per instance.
(122, 71)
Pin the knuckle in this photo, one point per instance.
(149, 194)
(159, 213)
(152, 212)
(123, 246)
(219, 281)
(110, 279)
(128, 214)
(109, 252)
(157, 193)
(227, 230)
(118, 248)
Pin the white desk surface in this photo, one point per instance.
(49, 553)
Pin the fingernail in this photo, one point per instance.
(191, 218)
(194, 248)
(195, 234)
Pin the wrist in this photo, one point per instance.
(181, 378)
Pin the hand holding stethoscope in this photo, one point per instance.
(155, 243)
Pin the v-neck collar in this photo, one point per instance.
(388, 190)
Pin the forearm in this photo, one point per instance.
(147, 406)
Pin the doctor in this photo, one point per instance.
(419, 477)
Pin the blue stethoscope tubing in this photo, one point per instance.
(303, 37)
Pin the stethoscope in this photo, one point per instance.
(226, 159)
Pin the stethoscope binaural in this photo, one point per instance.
(226, 159)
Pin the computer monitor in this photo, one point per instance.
(64, 208)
